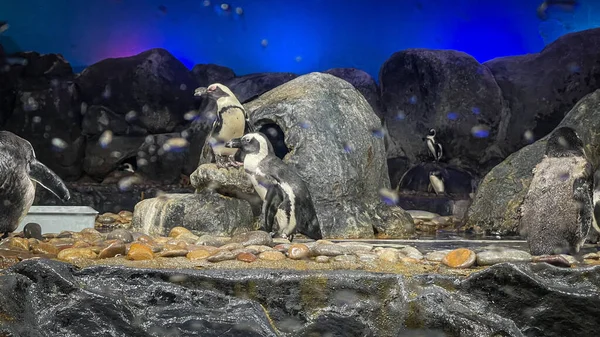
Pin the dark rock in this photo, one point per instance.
(203, 213)
(196, 134)
(33, 230)
(457, 182)
(162, 162)
(363, 82)
(49, 117)
(154, 85)
(541, 88)
(251, 86)
(396, 169)
(97, 119)
(451, 92)
(120, 234)
(342, 162)
(207, 74)
(555, 260)
(42, 65)
(102, 158)
(254, 238)
(496, 205)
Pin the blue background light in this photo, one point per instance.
(303, 36)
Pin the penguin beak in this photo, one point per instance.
(234, 143)
(42, 175)
(200, 91)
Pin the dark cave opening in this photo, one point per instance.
(277, 138)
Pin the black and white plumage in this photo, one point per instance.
(596, 201)
(435, 148)
(287, 200)
(436, 182)
(19, 172)
(231, 122)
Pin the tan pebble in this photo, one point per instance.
(173, 253)
(272, 256)
(210, 249)
(282, 247)
(49, 235)
(19, 243)
(161, 240)
(261, 248)
(81, 244)
(345, 258)
(324, 242)
(44, 248)
(389, 255)
(278, 241)
(113, 249)
(232, 246)
(145, 239)
(176, 244)
(591, 256)
(139, 251)
(105, 220)
(176, 231)
(189, 238)
(221, 255)
(92, 231)
(70, 254)
(125, 214)
(298, 251)
(246, 257)
(198, 254)
(322, 259)
(460, 258)
(409, 260)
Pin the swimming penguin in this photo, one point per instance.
(556, 214)
(287, 201)
(19, 172)
(231, 122)
(436, 181)
(434, 147)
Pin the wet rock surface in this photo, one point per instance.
(249, 87)
(363, 82)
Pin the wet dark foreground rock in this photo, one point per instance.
(42, 297)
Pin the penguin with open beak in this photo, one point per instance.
(231, 122)
(19, 172)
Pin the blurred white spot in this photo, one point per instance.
(190, 115)
(206, 3)
(130, 116)
(225, 7)
(105, 138)
(142, 162)
(562, 141)
(178, 278)
(378, 133)
(116, 154)
(348, 147)
(183, 86)
(59, 144)
(185, 134)
(388, 196)
(30, 104)
(127, 183)
(48, 127)
(298, 58)
(36, 119)
(149, 140)
(239, 11)
(400, 115)
(145, 109)
(305, 124)
(6, 202)
(528, 135)
(107, 92)
(480, 131)
(264, 42)
(84, 107)
(54, 83)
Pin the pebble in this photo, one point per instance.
(328, 249)
(411, 252)
(437, 256)
(283, 247)
(113, 249)
(173, 253)
(345, 258)
(190, 238)
(261, 249)
(460, 258)
(322, 259)
(65, 234)
(232, 246)
(298, 251)
(491, 257)
(388, 255)
(222, 255)
(272, 256)
(592, 256)
(256, 238)
(177, 231)
(49, 235)
(422, 215)
(209, 240)
(367, 257)
(139, 251)
(246, 257)
(106, 219)
(41, 247)
(198, 254)
(277, 241)
(356, 247)
(70, 254)
(33, 230)
(19, 243)
(120, 234)
(555, 260)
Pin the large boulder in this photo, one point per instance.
(451, 92)
(541, 88)
(153, 88)
(207, 74)
(327, 126)
(363, 82)
(104, 154)
(48, 116)
(162, 156)
(36, 65)
(202, 213)
(98, 118)
(250, 86)
(502, 191)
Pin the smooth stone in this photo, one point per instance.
(280, 241)
(232, 246)
(555, 260)
(210, 240)
(106, 219)
(81, 244)
(367, 257)
(324, 242)
(32, 230)
(173, 253)
(356, 247)
(19, 243)
(591, 256)
(388, 255)
(177, 231)
(190, 237)
(261, 249)
(90, 231)
(282, 247)
(422, 215)
(437, 256)
(491, 257)
(50, 235)
(298, 251)
(162, 240)
(253, 238)
(409, 260)
(114, 249)
(237, 252)
(65, 234)
(345, 258)
(175, 244)
(272, 256)
(140, 251)
(328, 249)
(198, 254)
(571, 259)
(246, 257)
(41, 247)
(145, 238)
(70, 254)
(460, 258)
(222, 255)
(411, 252)
(126, 214)
(120, 234)
(322, 259)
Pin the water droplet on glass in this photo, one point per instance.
(206, 3)
(145, 109)
(178, 278)
(59, 144)
(175, 145)
(149, 140)
(183, 87)
(412, 99)
(480, 131)
(127, 183)
(6, 202)
(563, 142)
(388, 196)
(54, 83)
(239, 11)
(348, 147)
(84, 107)
(475, 110)
(225, 7)
(298, 58)
(142, 162)
(305, 124)
(528, 135)
(131, 116)
(48, 127)
(564, 176)
(107, 92)
(191, 115)
(264, 42)
(105, 138)
(452, 116)
(378, 133)
(30, 104)
(116, 154)
(36, 119)
(400, 115)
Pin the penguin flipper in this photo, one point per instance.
(248, 128)
(273, 199)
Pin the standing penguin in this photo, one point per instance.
(231, 122)
(19, 171)
(434, 147)
(596, 201)
(436, 181)
(556, 214)
(287, 200)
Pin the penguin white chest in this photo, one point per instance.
(28, 197)
(437, 184)
(233, 124)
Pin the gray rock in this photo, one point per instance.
(101, 158)
(204, 213)
(159, 161)
(222, 255)
(411, 252)
(451, 92)
(541, 87)
(367, 257)
(156, 86)
(329, 250)
(363, 82)
(322, 259)
(491, 257)
(495, 207)
(345, 258)
(250, 86)
(43, 65)
(437, 256)
(422, 215)
(120, 234)
(49, 117)
(211, 240)
(329, 127)
(253, 238)
(207, 74)
(356, 247)
(98, 118)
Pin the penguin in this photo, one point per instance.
(20, 171)
(556, 214)
(596, 201)
(123, 171)
(436, 182)
(287, 201)
(231, 122)
(434, 147)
